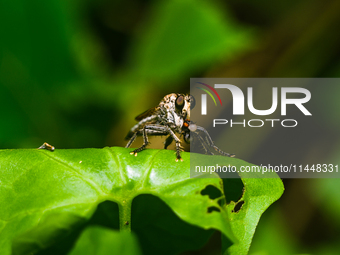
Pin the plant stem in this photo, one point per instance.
(125, 215)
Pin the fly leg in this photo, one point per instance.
(178, 144)
(155, 130)
(145, 142)
(210, 142)
(204, 144)
(148, 131)
(133, 138)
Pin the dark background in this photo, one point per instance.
(76, 73)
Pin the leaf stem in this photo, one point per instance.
(125, 215)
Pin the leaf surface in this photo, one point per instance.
(46, 196)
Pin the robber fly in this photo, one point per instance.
(171, 118)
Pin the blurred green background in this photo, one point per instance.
(76, 73)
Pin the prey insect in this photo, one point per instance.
(171, 118)
(46, 146)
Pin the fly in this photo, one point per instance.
(171, 118)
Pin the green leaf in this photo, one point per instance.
(246, 205)
(185, 35)
(46, 196)
(102, 241)
(260, 191)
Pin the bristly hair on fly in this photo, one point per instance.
(171, 118)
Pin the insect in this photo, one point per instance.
(171, 118)
(46, 146)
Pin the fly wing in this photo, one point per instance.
(146, 114)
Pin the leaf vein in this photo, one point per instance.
(82, 177)
(123, 176)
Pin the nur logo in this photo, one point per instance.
(204, 97)
(239, 99)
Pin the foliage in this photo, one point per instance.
(49, 198)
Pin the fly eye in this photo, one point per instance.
(179, 103)
(192, 102)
